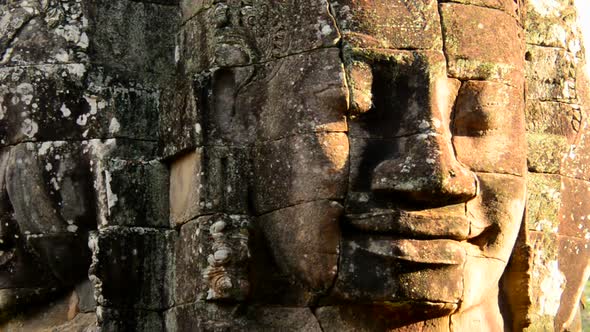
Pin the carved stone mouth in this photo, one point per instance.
(445, 252)
(6, 256)
(428, 224)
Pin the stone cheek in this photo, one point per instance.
(305, 241)
(312, 167)
(498, 208)
(489, 128)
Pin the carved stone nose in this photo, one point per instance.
(425, 170)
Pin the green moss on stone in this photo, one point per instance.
(545, 152)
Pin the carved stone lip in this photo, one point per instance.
(427, 224)
(443, 252)
(6, 256)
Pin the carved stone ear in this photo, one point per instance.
(212, 259)
(223, 255)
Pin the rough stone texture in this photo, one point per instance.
(576, 162)
(349, 319)
(79, 109)
(132, 38)
(208, 180)
(571, 249)
(212, 259)
(298, 94)
(312, 167)
(509, 6)
(547, 281)
(65, 75)
(551, 261)
(43, 32)
(553, 118)
(544, 198)
(51, 102)
(222, 317)
(63, 316)
(551, 74)
(377, 24)
(239, 33)
(573, 216)
(136, 320)
(292, 165)
(305, 249)
(473, 53)
(131, 268)
(136, 193)
(552, 24)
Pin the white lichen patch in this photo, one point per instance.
(29, 128)
(65, 111)
(324, 29)
(3, 109)
(92, 102)
(111, 197)
(114, 126)
(546, 7)
(551, 289)
(78, 70)
(583, 10)
(25, 90)
(83, 42)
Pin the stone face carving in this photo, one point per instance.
(292, 165)
(79, 95)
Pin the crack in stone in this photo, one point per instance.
(498, 173)
(46, 64)
(490, 257)
(312, 310)
(273, 59)
(477, 5)
(339, 201)
(442, 33)
(13, 38)
(77, 140)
